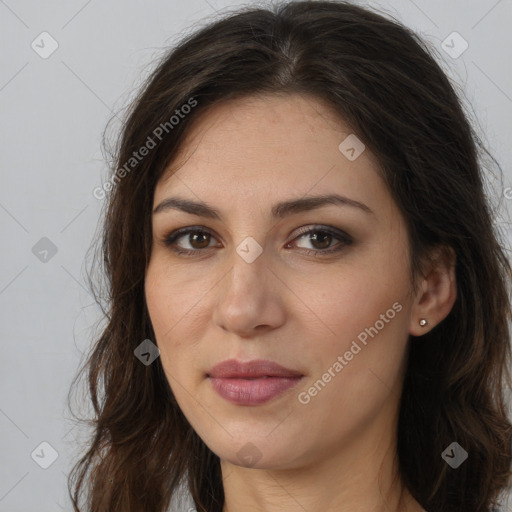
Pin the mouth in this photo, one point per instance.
(252, 382)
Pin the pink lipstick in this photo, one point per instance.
(252, 382)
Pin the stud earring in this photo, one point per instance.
(423, 322)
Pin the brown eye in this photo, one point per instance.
(321, 239)
(198, 239)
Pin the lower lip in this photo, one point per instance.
(252, 391)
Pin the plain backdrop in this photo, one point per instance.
(54, 108)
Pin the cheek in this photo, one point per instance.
(358, 297)
(175, 303)
(366, 309)
(357, 370)
(172, 297)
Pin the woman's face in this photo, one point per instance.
(320, 288)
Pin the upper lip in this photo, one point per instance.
(232, 369)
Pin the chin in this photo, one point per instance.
(260, 453)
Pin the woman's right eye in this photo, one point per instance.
(200, 236)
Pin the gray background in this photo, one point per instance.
(54, 111)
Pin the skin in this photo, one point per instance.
(338, 451)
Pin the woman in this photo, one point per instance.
(297, 221)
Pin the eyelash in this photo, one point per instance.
(343, 237)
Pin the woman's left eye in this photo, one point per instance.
(320, 237)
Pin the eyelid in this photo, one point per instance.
(335, 232)
(174, 235)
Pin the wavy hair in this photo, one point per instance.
(383, 80)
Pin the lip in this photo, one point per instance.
(252, 382)
(233, 369)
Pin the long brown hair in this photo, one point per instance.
(384, 81)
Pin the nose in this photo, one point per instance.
(249, 298)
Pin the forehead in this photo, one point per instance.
(267, 148)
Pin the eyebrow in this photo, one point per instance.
(279, 210)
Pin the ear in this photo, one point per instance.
(437, 291)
